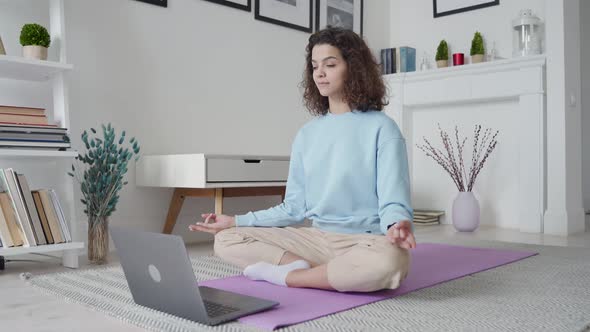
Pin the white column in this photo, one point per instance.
(530, 152)
(564, 214)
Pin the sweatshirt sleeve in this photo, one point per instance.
(292, 209)
(393, 184)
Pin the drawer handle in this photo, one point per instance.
(252, 161)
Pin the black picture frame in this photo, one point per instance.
(232, 4)
(161, 3)
(476, 5)
(319, 13)
(276, 21)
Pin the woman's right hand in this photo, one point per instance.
(213, 223)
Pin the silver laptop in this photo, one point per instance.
(161, 277)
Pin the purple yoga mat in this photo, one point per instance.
(431, 264)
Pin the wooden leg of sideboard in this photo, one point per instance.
(218, 200)
(173, 210)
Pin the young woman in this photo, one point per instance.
(348, 173)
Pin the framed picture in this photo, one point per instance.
(162, 3)
(449, 7)
(294, 14)
(347, 14)
(238, 4)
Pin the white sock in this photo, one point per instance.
(276, 274)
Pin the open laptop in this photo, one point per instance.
(161, 277)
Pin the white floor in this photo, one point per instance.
(23, 308)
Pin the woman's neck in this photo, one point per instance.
(338, 106)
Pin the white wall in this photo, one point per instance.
(585, 98)
(193, 77)
(412, 24)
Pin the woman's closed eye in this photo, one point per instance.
(331, 65)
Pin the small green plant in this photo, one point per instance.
(34, 34)
(442, 52)
(102, 178)
(477, 44)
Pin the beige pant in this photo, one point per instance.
(356, 262)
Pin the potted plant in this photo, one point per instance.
(35, 40)
(477, 51)
(465, 213)
(442, 54)
(100, 182)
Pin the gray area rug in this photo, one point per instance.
(547, 292)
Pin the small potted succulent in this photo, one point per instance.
(477, 51)
(442, 54)
(35, 40)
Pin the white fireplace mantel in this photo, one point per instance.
(520, 81)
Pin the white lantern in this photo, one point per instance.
(527, 34)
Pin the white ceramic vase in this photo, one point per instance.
(35, 52)
(465, 212)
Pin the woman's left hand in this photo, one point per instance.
(401, 234)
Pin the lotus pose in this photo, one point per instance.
(348, 174)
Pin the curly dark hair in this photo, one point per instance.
(364, 88)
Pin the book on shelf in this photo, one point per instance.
(30, 208)
(6, 109)
(54, 226)
(33, 137)
(13, 128)
(388, 61)
(424, 219)
(437, 222)
(429, 212)
(8, 123)
(16, 232)
(45, 137)
(35, 145)
(29, 217)
(394, 60)
(43, 217)
(5, 236)
(61, 216)
(407, 59)
(427, 217)
(24, 119)
(9, 186)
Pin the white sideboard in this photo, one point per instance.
(212, 175)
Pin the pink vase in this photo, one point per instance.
(465, 212)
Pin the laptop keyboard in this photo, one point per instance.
(216, 309)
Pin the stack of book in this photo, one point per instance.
(29, 217)
(28, 128)
(398, 60)
(427, 217)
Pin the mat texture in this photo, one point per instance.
(431, 264)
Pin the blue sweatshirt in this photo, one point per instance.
(348, 173)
